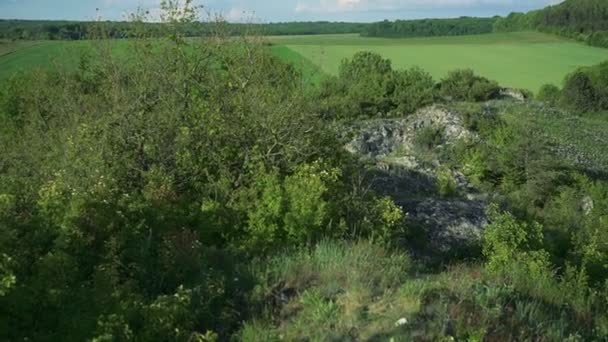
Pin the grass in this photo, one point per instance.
(521, 60)
(23, 56)
(339, 291)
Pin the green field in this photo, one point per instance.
(30, 55)
(522, 60)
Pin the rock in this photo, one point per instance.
(401, 321)
(381, 138)
(514, 94)
(449, 225)
(587, 205)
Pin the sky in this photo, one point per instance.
(273, 10)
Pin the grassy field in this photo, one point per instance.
(30, 55)
(523, 59)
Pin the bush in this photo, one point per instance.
(579, 92)
(429, 137)
(446, 184)
(506, 239)
(413, 89)
(464, 85)
(549, 93)
(367, 86)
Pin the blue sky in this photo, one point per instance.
(274, 10)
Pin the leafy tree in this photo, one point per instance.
(579, 92)
(464, 85)
(413, 89)
(549, 93)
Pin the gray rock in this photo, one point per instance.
(450, 223)
(514, 94)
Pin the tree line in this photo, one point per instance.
(584, 20)
(430, 27)
(76, 30)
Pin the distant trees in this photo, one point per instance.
(72, 30)
(430, 27)
(585, 20)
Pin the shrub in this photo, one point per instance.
(429, 137)
(506, 239)
(413, 89)
(579, 93)
(549, 93)
(446, 184)
(464, 85)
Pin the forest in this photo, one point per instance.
(430, 27)
(200, 190)
(75, 30)
(585, 20)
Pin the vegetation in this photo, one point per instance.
(504, 57)
(430, 27)
(584, 90)
(77, 30)
(585, 20)
(183, 189)
(464, 85)
(178, 160)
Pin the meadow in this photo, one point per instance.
(521, 60)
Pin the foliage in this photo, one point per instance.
(446, 184)
(579, 93)
(134, 189)
(413, 89)
(81, 30)
(549, 93)
(584, 20)
(429, 27)
(336, 290)
(506, 240)
(464, 85)
(429, 137)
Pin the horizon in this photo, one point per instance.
(242, 11)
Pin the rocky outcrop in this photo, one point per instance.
(448, 224)
(514, 94)
(381, 138)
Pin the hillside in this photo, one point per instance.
(302, 188)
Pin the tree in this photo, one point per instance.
(549, 93)
(413, 89)
(579, 92)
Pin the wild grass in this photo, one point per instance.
(340, 291)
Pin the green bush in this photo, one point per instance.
(579, 92)
(464, 85)
(549, 93)
(446, 184)
(413, 89)
(367, 86)
(429, 137)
